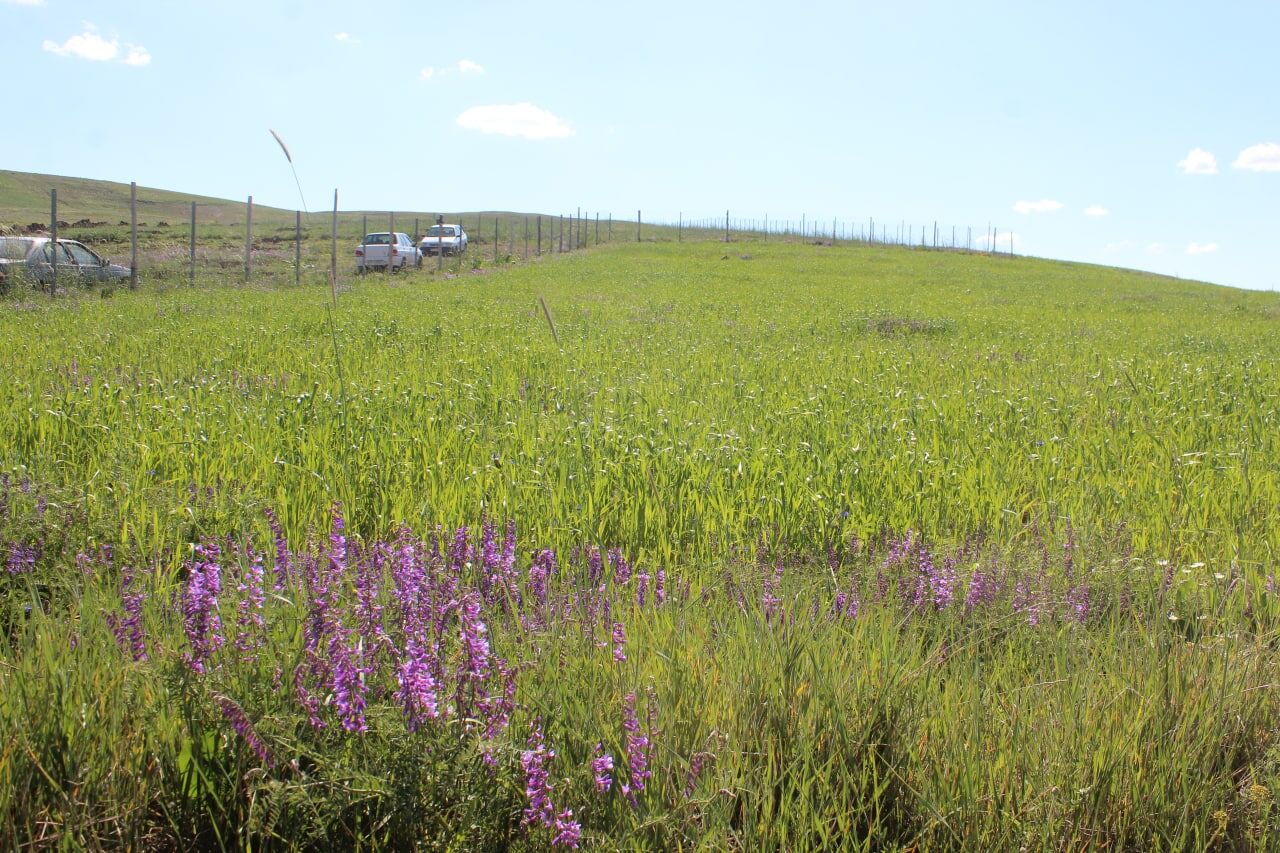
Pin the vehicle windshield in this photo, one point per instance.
(441, 231)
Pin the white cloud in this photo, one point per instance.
(1199, 162)
(23, 2)
(137, 56)
(1201, 248)
(93, 47)
(88, 45)
(1044, 205)
(1263, 157)
(466, 66)
(522, 119)
(426, 73)
(1118, 246)
(1096, 210)
(342, 36)
(1155, 248)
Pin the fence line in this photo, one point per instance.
(569, 232)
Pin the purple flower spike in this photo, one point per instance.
(619, 642)
(602, 769)
(239, 721)
(642, 588)
(348, 688)
(568, 832)
(660, 587)
(200, 616)
(537, 781)
(637, 750)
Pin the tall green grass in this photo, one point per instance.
(696, 411)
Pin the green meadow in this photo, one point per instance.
(956, 552)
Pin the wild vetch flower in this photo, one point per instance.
(619, 642)
(567, 831)
(1078, 601)
(537, 781)
(509, 570)
(309, 703)
(660, 586)
(637, 750)
(621, 568)
(369, 571)
(490, 561)
(770, 599)
(128, 629)
(642, 588)
(595, 567)
(283, 562)
(348, 686)
(239, 721)
(249, 620)
(474, 639)
(1026, 601)
(21, 560)
(459, 551)
(602, 769)
(942, 583)
(544, 564)
(696, 765)
(982, 590)
(337, 545)
(497, 713)
(200, 616)
(418, 694)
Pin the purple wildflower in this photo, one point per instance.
(309, 703)
(602, 769)
(128, 629)
(642, 588)
(200, 616)
(621, 568)
(637, 750)
(595, 567)
(348, 687)
(418, 692)
(942, 583)
(619, 642)
(239, 721)
(1078, 602)
(982, 590)
(544, 564)
(249, 621)
(567, 831)
(660, 586)
(283, 564)
(537, 781)
(770, 599)
(696, 765)
(21, 560)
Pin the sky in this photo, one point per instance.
(1122, 133)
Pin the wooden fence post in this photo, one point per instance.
(526, 237)
(248, 240)
(333, 244)
(637, 226)
(192, 273)
(539, 254)
(364, 245)
(133, 235)
(53, 246)
(297, 247)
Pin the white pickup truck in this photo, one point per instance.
(386, 250)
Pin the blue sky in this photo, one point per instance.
(1161, 120)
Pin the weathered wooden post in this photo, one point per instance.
(133, 235)
(248, 240)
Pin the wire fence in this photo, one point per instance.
(181, 242)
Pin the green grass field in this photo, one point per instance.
(914, 550)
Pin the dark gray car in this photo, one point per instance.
(30, 258)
